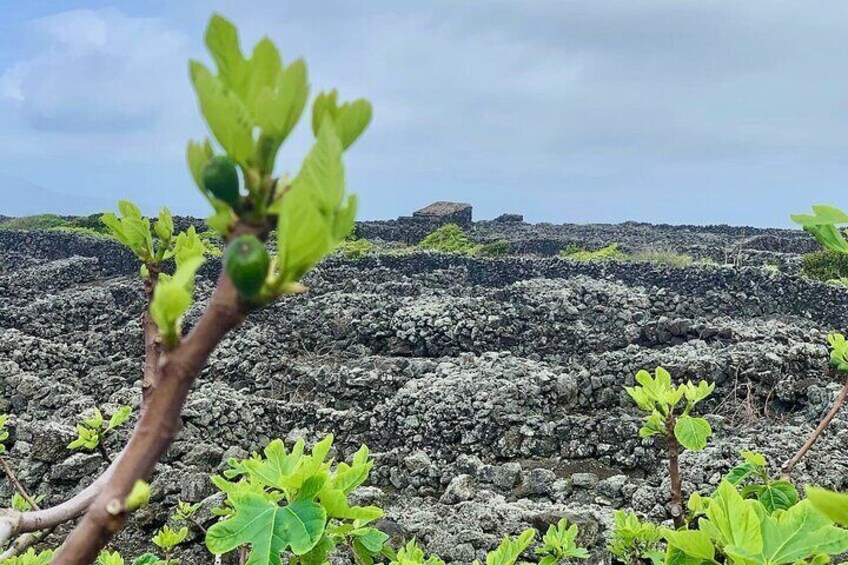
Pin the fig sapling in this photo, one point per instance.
(21, 504)
(31, 557)
(510, 549)
(824, 224)
(668, 410)
(304, 494)
(110, 558)
(93, 430)
(559, 544)
(633, 540)
(413, 554)
(166, 539)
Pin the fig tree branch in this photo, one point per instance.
(152, 346)
(38, 523)
(13, 523)
(159, 421)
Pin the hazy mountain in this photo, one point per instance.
(19, 197)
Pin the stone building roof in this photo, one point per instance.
(442, 208)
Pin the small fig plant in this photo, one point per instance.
(750, 519)
(93, 430)
(669, 415)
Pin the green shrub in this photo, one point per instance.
(90, 225)
(449, 238)
(825, 265)
(34, 223)
(497, 248)
(611, 251)
(356, 248)
(660, 257)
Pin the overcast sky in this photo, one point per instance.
(593, 111)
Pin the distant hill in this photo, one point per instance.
(19, 197)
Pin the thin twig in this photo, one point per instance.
(103, 453)
(834, 410)
(13, 479)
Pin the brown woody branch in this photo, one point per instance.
(159, 421)
(834, 410)
(152, 346)
(13, 523)
(676, 506)
(36, 525)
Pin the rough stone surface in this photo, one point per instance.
(490, 391)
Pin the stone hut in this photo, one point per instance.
(446, 212)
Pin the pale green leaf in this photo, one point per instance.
(834, 505)
(226, 115)
(800, 533)
(732, 520)
(691, 542)
(119, 417)
(223, 44)
(172, 297)
(307, 224)
(692, 433)
(164, 226)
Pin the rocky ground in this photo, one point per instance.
(490, 391)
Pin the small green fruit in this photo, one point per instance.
(246, 262)
(221, 179)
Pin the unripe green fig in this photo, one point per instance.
(246, 262)
(221, 179)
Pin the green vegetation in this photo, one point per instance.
(633, 540)
(356, 248)
(560, 544)
(610, 252)
(661, 257)
(88, 225)
(93, 430)
(825, 265)
(293, 504)
(750, 519)
(451, 238)
(668, 410)
(497, 248)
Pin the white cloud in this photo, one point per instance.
(100, 81)
(562, 109)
